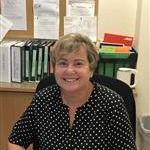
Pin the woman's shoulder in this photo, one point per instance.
(49, 89)
(47, 93)
(108, 100)
(107, 95)
(103, 89)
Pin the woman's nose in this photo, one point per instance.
(70, 68)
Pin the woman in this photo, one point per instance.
(76, 113)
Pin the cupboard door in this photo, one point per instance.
(12, 105)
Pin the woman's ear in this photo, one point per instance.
(91, 76)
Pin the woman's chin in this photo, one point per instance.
(70, 87)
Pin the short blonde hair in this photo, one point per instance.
(71, 43)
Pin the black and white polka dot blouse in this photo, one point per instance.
(101, 123)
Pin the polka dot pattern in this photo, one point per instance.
(102, 123)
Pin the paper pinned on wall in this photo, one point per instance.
(81, 25)
(5, 26)
(80, 18)
(45, 9)
(46, 27)
(15, 11)
(80, 8)
(46, 19)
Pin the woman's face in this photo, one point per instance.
(72, 71)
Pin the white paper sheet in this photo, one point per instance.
(15, 11)
(80, 8)
(45, 9)
(46, 27)
(5, 26)
(84, 25)
(46, 19)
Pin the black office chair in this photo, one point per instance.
(120, 87)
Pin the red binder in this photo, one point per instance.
(114, 38)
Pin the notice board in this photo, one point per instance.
(25, 34)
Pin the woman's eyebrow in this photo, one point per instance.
(80, 60)
(61, 59)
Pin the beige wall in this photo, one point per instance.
(117, 16)
(142, 44)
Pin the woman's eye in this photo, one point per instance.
(79, 64)
(62, 63)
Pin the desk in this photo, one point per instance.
(14, 98)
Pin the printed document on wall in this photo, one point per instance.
(5, 26)
(46, 28)
(15, 11)
(84, 25)
(46, 19)
(80, 8)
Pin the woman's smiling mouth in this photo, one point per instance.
(70, 79)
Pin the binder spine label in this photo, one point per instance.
(46, 60)
(40, 62)
(27, 64)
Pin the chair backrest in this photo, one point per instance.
(117, 85)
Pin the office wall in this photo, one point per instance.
(117, 16)
(142, 44)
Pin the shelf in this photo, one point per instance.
(18, 87)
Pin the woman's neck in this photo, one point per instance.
(78, 98)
